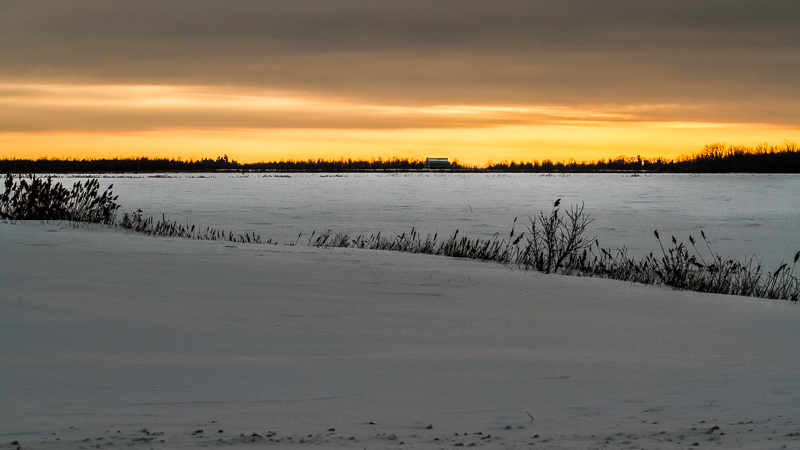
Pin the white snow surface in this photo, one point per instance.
(742, 214)
(110, 339)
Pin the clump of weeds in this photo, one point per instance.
(41, 199)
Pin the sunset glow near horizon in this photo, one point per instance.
(472, 81)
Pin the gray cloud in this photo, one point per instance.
(738, 60)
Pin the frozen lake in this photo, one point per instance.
(742, 214)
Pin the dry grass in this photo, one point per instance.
(140, 223)
(40, 199)
(681, 268)
(553, 243)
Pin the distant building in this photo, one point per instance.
(437, 163)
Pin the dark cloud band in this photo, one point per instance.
(575, 53)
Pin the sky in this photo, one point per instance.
(475, 81)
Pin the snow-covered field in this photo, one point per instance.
(742, 215)
(109, 338)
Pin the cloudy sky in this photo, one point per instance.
(471, 80)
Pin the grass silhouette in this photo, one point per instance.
(553, 242)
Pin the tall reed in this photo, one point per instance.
(41, 199)
(555, 243)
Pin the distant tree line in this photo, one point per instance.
(222, 163)
(713, 158)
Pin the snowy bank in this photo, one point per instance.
(105, 334)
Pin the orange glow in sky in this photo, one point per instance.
(80, 121)
(472, 81)
(469, 146)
